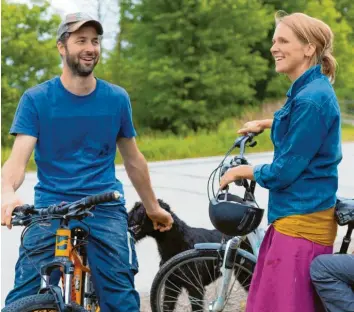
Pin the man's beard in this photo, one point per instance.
(78, 69)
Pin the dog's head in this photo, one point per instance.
(138, 221)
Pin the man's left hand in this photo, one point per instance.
(161, 219)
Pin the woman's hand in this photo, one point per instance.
(237, 173)
(256, 126)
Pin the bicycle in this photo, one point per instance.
(77, 292)
(223, 265)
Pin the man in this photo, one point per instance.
(333, 277)
(75, 122)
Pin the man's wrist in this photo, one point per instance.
(6, 188)
(152, 206)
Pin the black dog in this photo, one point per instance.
(181, 237)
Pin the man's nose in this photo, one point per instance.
(90, 47)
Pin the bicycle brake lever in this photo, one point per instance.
(78, 213)
(89, 214)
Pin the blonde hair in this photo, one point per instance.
(310, 30)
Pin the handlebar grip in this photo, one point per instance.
(102, 198)
(23, 209)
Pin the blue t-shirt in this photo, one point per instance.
(76, 138)
(306, 133)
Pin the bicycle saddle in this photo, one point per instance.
(345, 211)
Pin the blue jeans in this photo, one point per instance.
(333, 277)
(111, 256)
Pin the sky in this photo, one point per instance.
(109, 14)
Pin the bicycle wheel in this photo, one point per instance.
(190, 282)
(39, 303)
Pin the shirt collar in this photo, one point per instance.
(311, 74)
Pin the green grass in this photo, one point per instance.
(166, 147)
(347, 133)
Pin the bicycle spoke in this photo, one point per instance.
(188, 281)
(192, 286)
(200, 279)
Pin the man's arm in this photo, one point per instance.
(13, 174)
(138, 172)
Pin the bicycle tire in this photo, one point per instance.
(40, 302)
(158, 304)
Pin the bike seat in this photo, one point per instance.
(345, 211)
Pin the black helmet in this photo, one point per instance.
(234, 216)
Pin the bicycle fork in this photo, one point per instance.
(227, 271)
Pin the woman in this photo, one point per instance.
(302, 179)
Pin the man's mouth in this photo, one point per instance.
(88, 59)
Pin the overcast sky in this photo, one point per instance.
(109, 14)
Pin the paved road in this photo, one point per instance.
(183, 185)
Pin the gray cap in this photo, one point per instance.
(74, 21)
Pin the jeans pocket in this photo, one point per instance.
(133, 259)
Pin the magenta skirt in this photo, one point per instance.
(281, 281)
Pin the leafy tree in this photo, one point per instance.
(343, 45)
(29, 55)
(193, 62)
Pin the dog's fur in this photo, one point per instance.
(181, 237)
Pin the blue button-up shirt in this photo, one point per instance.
(306, 133)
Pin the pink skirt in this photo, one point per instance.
(281, 281)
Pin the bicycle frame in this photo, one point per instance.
(231, 249)
(70, 258)
(76, 274)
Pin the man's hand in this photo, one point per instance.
(161, 219)
(9, 201)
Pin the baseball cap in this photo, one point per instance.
(74, 21)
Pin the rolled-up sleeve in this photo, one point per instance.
(306, 133)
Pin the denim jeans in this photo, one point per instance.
(333, 277)
(111, 256)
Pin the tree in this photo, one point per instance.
(192, 62)
(29, 55)
(343, 46)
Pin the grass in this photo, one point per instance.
(156, 147)
(347, 133)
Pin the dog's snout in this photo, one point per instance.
(135, 229)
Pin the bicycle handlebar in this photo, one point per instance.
(240, 159)
(77, 207)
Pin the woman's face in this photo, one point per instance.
(292, 57)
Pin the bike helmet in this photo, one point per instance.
(234, 216)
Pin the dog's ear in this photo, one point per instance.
(164, 205)
(136, 205)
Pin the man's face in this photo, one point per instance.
(81, 52)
